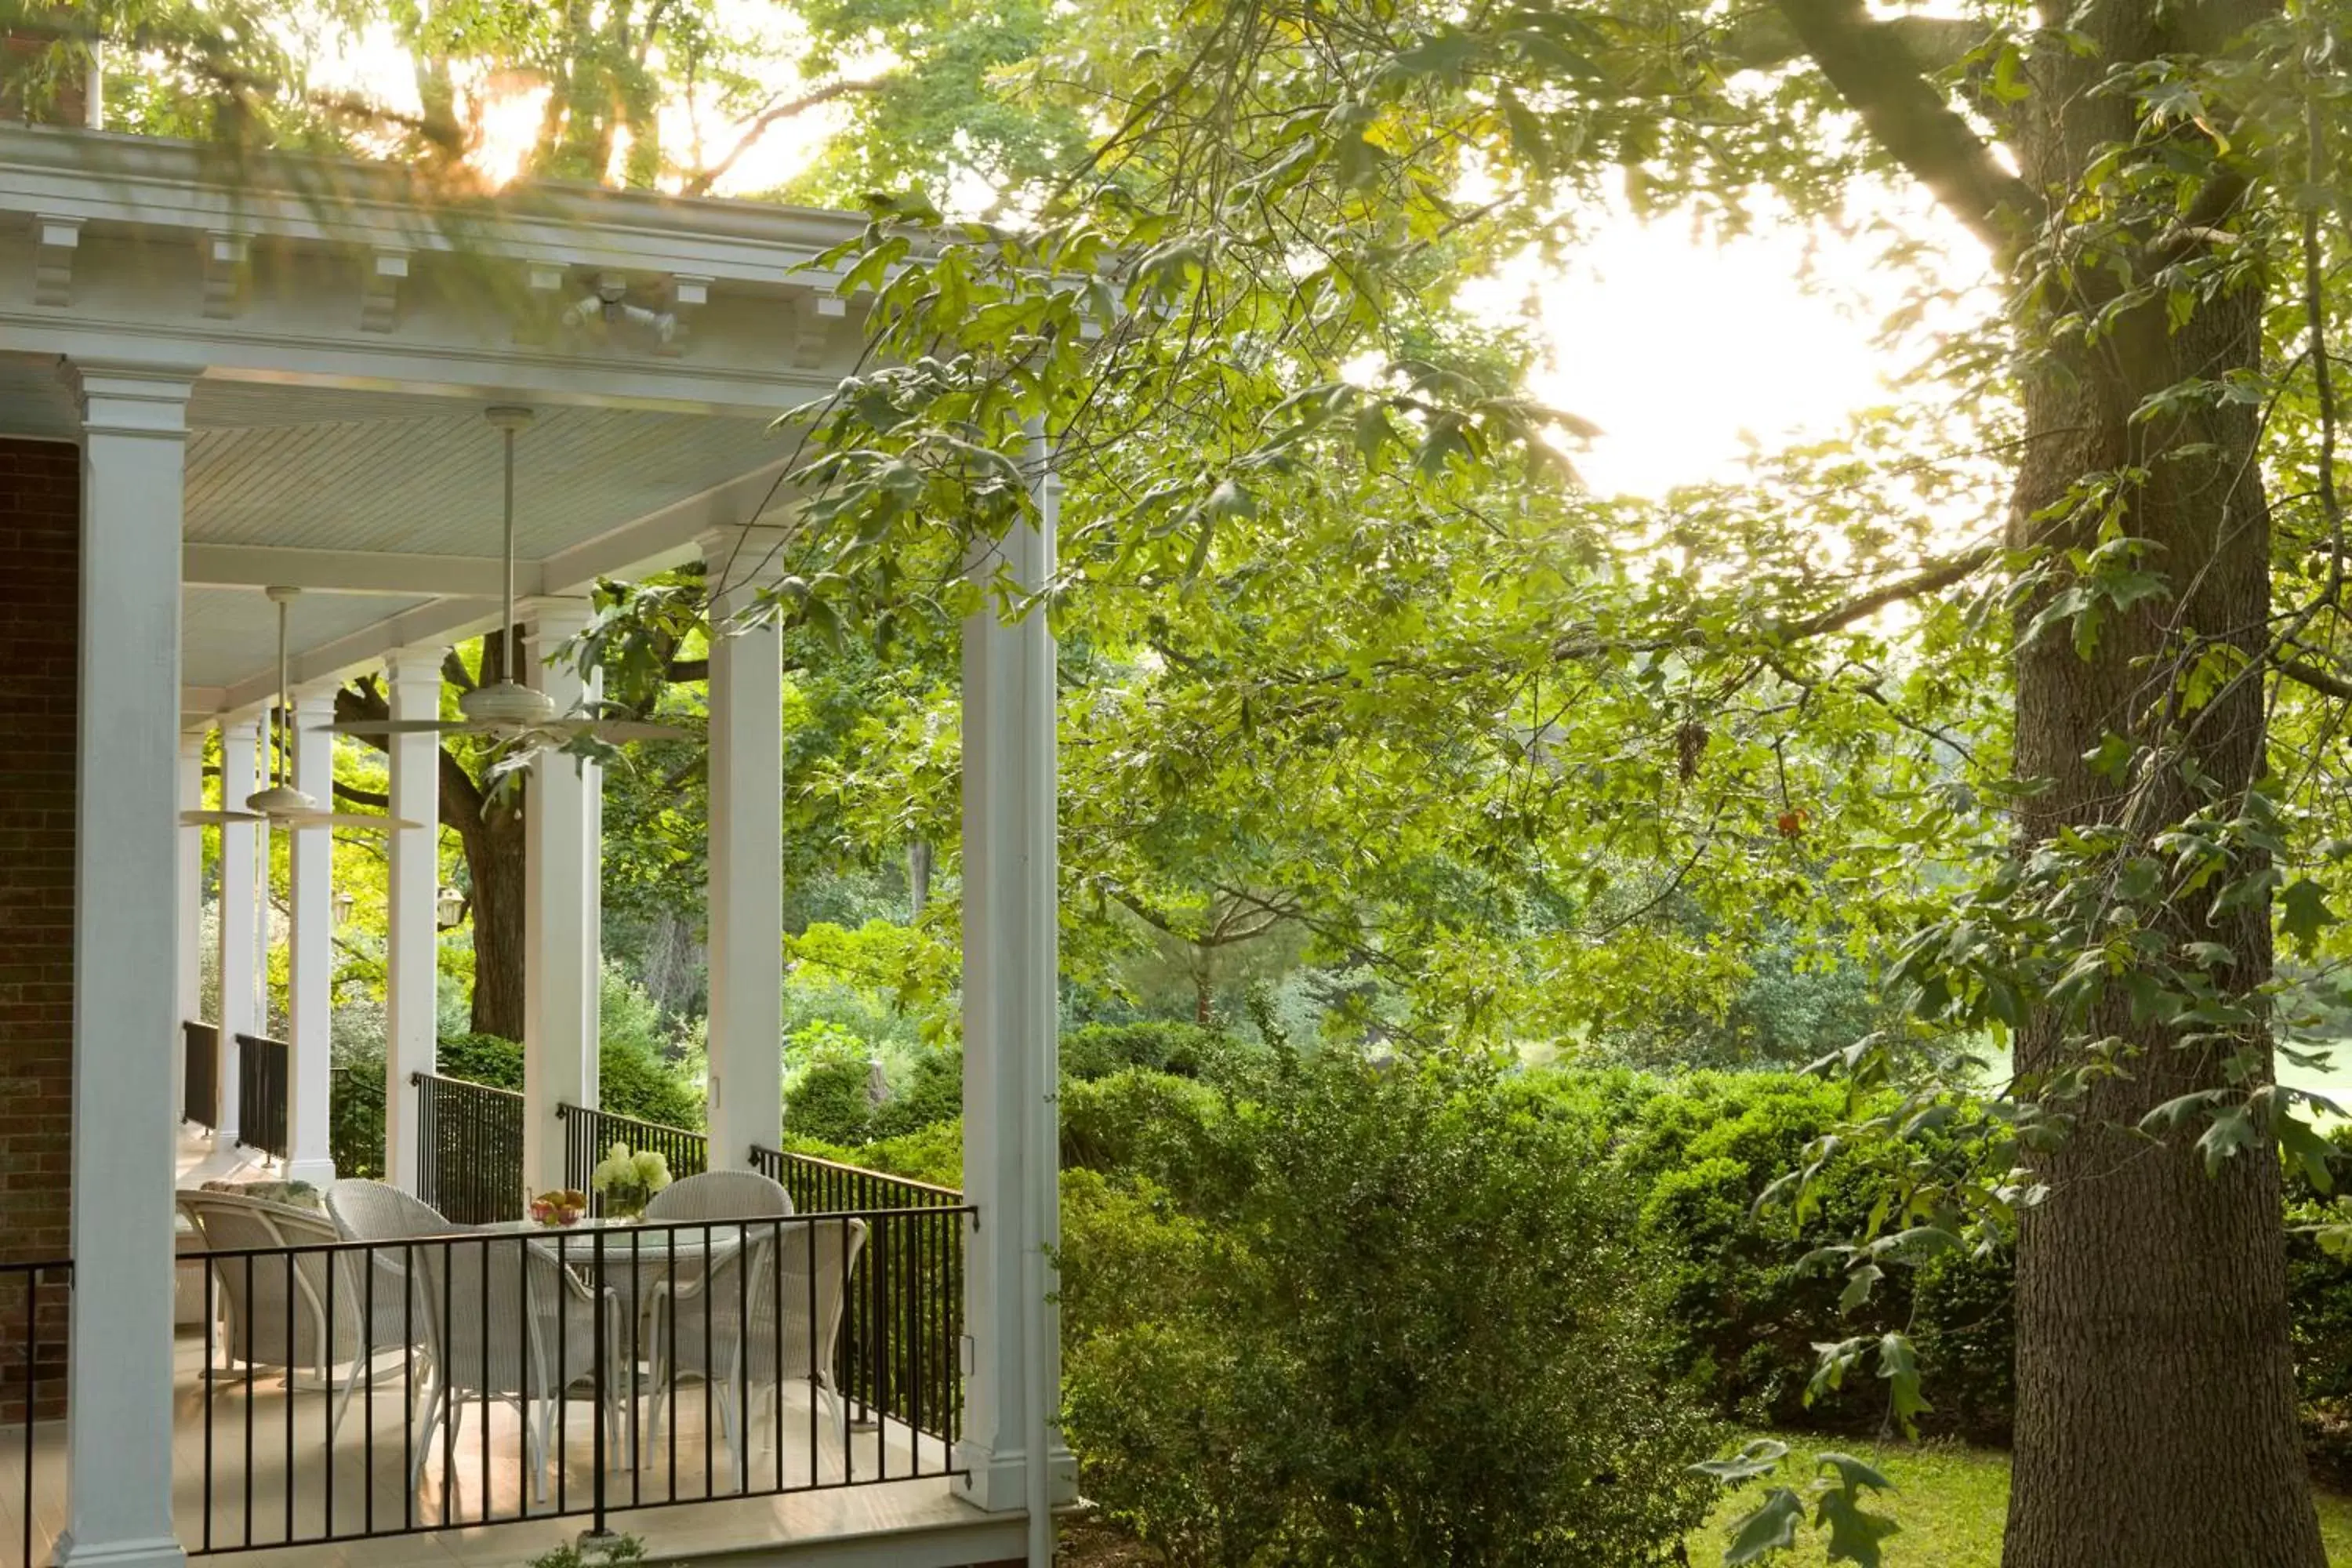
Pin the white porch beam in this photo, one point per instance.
(746, 897)
(188, 901)
(311, 943)
(560, 873)
(365, 572)
(243, 905)
(126, 975)
(657, 540)
(413, 949)
(1013, 1456)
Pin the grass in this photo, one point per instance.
(1950, 1503)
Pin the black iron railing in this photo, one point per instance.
(355, 1122)
(589, 1136)
(820, 1186)
(200, 1062)
(575, 1373)
(902, 1338)
(262, 1070)
(34, 1298)
(468, 1148)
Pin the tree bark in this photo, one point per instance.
(2155, 1399)
(490, 831)
(492, 834)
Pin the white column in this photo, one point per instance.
(310, 967)
(413, 949)
(126, 973)
(747, 857)
(244, 905)
(1011, 962)
(560, 873)
(188, 904)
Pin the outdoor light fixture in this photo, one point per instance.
(342, 906)
(448, 908)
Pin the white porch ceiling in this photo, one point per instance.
(392, 501)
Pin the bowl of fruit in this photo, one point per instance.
(556, 1210)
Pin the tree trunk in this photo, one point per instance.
(494, 864)
(2156, 1400)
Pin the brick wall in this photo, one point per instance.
(40, 528)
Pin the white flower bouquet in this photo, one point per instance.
(627, 1180)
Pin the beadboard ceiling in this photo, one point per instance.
(292, 465)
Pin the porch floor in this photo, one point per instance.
(915, 1522)
(790, 1524)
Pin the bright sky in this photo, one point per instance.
(1682, 348)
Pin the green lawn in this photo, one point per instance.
(1950, 1503)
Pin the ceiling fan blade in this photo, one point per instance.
(358, 819)
(617, 730)
(403, 727)
(218, 818)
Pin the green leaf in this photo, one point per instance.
(2303, 913)
(1854, 1535)
(1770, 1528)
(1759, 1457)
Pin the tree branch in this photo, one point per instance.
(1868, 63)
(1959, 569)
(2312, 676)
(359, 796)
(702, 182)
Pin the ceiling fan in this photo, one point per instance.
(281, 804)
(505, 708)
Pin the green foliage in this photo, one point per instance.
(1330, 1371)
(1181, 1049)
(929, 1094)
(1182, 1136)
(829, 1102)
(1834, 1492)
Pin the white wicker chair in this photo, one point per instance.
(509, 1321)
(502, 1318)
(273, 1312)
(798, 1276)
(720, 1195)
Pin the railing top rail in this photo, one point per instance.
(760, 1150)
(566, 1111)
(244, 1039)
(424, 1077)
(38, 1265)
(579, 1238)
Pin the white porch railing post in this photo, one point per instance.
(188, 904)
(1010, 973)
(126, 976)
(747, 853)
(411, 990)
(561, 873)
(244, 907)
(311, 945)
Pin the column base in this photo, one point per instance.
(320, 1174)
(998, 1482)
(161, 1552)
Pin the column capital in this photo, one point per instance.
(416, 665)
(314, 700)
(551, 620)
(749, 556)
(121, 398)
(192, 742)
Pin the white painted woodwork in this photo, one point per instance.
(560, 938)
(1010, 965)
(413, 885)
(746, 895)
(188, 900)
(243, 906)
(126, 973)
(311, 945)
